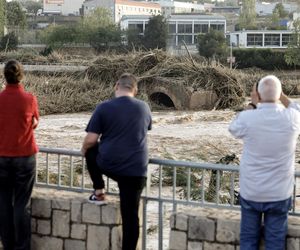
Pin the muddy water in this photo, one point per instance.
(201, 136)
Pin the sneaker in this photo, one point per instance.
(97, 199)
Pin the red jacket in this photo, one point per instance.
(17, 110)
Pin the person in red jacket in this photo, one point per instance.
(18, 118)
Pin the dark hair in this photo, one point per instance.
(13, 72)
(128, 81)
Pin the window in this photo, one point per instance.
(219, 27)
(184, 28)
(187, 38)
(200, 28)
(272, 40)
(286, 39)
(137, 26)
(254, 39)
(172, 28)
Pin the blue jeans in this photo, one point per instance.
(275, 218)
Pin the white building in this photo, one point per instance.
(62, 7)
(274, 39)
(181, 27)
(175, 7)
(121, 8)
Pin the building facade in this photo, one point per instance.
(274, 39)
(62, 7)
(174, 7)
(182, 28)
(121, 8)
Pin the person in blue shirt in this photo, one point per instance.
(116, 146)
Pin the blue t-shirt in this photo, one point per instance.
(123, 123)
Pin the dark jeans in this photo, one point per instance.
(16, 182)
(275, 217)
(130, 188)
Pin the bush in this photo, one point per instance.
(266, 59)
(9, 42)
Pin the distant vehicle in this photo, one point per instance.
(40, 12)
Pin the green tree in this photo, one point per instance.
(2, 16)
(156, 33)
(279, 8)
(32, 7)
(247, 18)
(106, 37)
(212, 44)
(56, 36)
(15, 16)
(99, 18)
(292, 54)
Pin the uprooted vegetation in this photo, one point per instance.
(157, 66)
(77, 92)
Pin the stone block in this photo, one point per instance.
(61, 223)
(178, 240)
(111, 214)
(201, 228)
(61, 204)
(44, 227)
(292, 244)
(41, 208)
(76, 211)
(91, 213)
(98, 237)
(203, 99)
(78, 231)
(195, 245)
(74, 245)
(116, 238)
(293, 231)
(33, 225)
(181, 222)
(228, 231)
(216, 246)
(46, 243)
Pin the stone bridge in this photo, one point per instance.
(176, 95)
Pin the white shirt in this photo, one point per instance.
(270, 135)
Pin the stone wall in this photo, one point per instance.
(66, 221)
(212, 229)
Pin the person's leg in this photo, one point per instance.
(251, 217)
(130, 193)
(6, 209)
(24, 180)
(94, 170)
(276, 224)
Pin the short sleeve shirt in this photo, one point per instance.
(123, 123)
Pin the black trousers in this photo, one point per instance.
(130, 188)
(16, 182)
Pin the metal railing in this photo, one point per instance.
(171, 185)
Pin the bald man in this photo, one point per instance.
(269, 130)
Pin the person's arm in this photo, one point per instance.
(254, 98)
(284, 100)
(36, 115)
(89, 141)
(287, 103)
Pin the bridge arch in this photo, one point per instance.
(162, 99)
